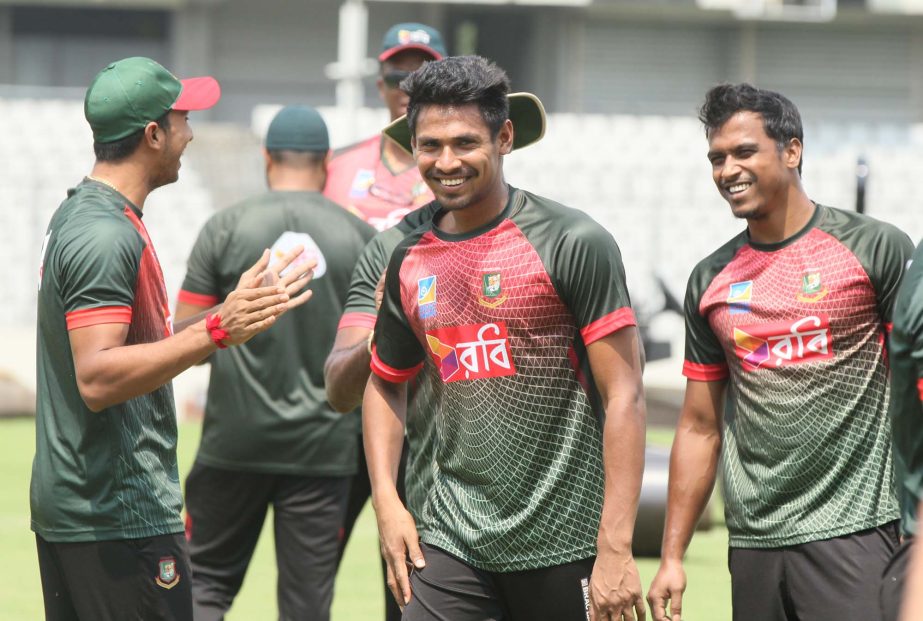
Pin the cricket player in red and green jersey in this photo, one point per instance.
(105, 491)
(786, 324)
(519, 305)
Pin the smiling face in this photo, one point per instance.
(750, 170)
(457, 157)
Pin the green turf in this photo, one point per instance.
(358, 594)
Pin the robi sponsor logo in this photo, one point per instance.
(784, 343)
(476, 351)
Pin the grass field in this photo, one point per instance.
(358, 594)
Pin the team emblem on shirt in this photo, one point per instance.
(167, 577)
(426, 297)
(784, 343)
(739, 297)
(812, 289)
(476, 351)
(492, 294)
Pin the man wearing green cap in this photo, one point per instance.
(105, 492)
(514, 310)
(269, 436)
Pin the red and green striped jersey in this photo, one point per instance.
(502, 316)
(359, 180)
(110, 474)
(267, 408)
(798, 330)
(906, 354)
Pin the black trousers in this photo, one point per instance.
(225, 515)
(360, 490)
(448, 589)
(126, 580)
(830, 580)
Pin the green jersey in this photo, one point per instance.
(503, 316)
(798, 330)
(267, 408)
(906, 353)
(360, 311)
(110, 474)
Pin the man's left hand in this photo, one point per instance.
(615, 588)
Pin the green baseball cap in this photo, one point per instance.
(412, 36)
(132, 92)
(526, 112)
(298, 128)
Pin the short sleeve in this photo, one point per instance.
(100, 272)
(890, 255)
(397, 355)
(908, 321)
(589, 274)
(360, 301)
(704, 360)
(201, 286)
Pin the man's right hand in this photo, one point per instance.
(399, 542)
(251, 308)
(668, 587)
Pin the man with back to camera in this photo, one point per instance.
(790, 318)
(375, 178)
(905, 351)
(105, 491)
(378, 181)
(519, 305)
(269, 436)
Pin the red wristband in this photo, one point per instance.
(213, 325)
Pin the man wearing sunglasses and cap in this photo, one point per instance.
(105, 491)
(514, 309)
(375, 179)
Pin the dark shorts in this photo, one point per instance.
(892, 581)
(834, 579)
(127, 580)
(449, 589)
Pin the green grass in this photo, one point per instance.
(358, 591)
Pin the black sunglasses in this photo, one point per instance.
(394, 78)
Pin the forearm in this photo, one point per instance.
(383, 415)
(115, 375)
(346, 374)
(693, 467)
(623, 459)
(187, 315)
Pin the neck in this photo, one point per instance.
(476, 215)
(792, 213)
(127, 177)
(394, 157)
(281, 179)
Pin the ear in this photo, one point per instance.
(380, 83)
(266, 158)
(791, 154)
(505, 137)
(154, 136)
(327, 158)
